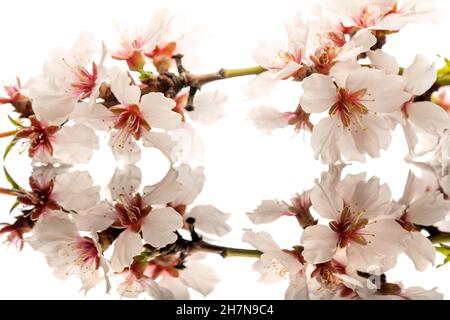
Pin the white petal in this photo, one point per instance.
(262, 241)
(386, 237)
(325, 198)
(125, 181)
(361, 42)
(95, 116)
(416, 293)
(429, 209)
(268, 119)
(320, 244)
(275, 265)
(160, 225)
(199, 277)
(75, 144)
(209, 219)
(420, 75)
(75, 191)
(126, 93)
(161, 141)
(164, 191)
(189, 144)
(209, 106)
(298, 287)
(319, 93)
(157, 110)
(98, 218)
(192, 181)
(177, 288)
(429, 117)
(53, 230)
(420, 250)
(288, 70)
(156, 291)
(128, 151)
(383, 61)
(268, 211)
(126, 246)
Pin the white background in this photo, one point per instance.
(243, 166)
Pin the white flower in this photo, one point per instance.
(136, 213)
(71, 191)
(311, 44)
(69, 76)
(276, 264)
(133, 118)
(360, 224)
(69, 253)
(134, 43)
(284, 59)
(271, 210)
(424, 207)
(193, 275)
(421, 116)
(357, 100)
(180, 37)
(49, 143)
(132, 284)
(382, 15)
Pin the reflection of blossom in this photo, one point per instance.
(69, 253)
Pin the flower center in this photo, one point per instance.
(349, 228)
(324, 57)
(130, 122)
(85, 81)
(166, 264)
(368, 17)
(130, 212)
(39, 137)
(162, 55)
(86, 254)
(40, 198)
(349, 107)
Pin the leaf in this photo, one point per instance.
(445, 250)
(13, 183)
(14, 206)
(9, 148)
(15, 122)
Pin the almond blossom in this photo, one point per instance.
(55, 191)
(276, 264)
(360, 223)
(135, 117)
(418, 116)
(50, 143)
(69, 76)
(388, 15)
(420, 206)
(177, 275)
(135, 43)
(357, 100)
(271, 210)
(68, 252)
(139, 215)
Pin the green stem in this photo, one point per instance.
(231, 73)
(443, 80)
(227, 252)
(246, 253)
(440, 238)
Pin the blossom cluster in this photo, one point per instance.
(139, 238)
